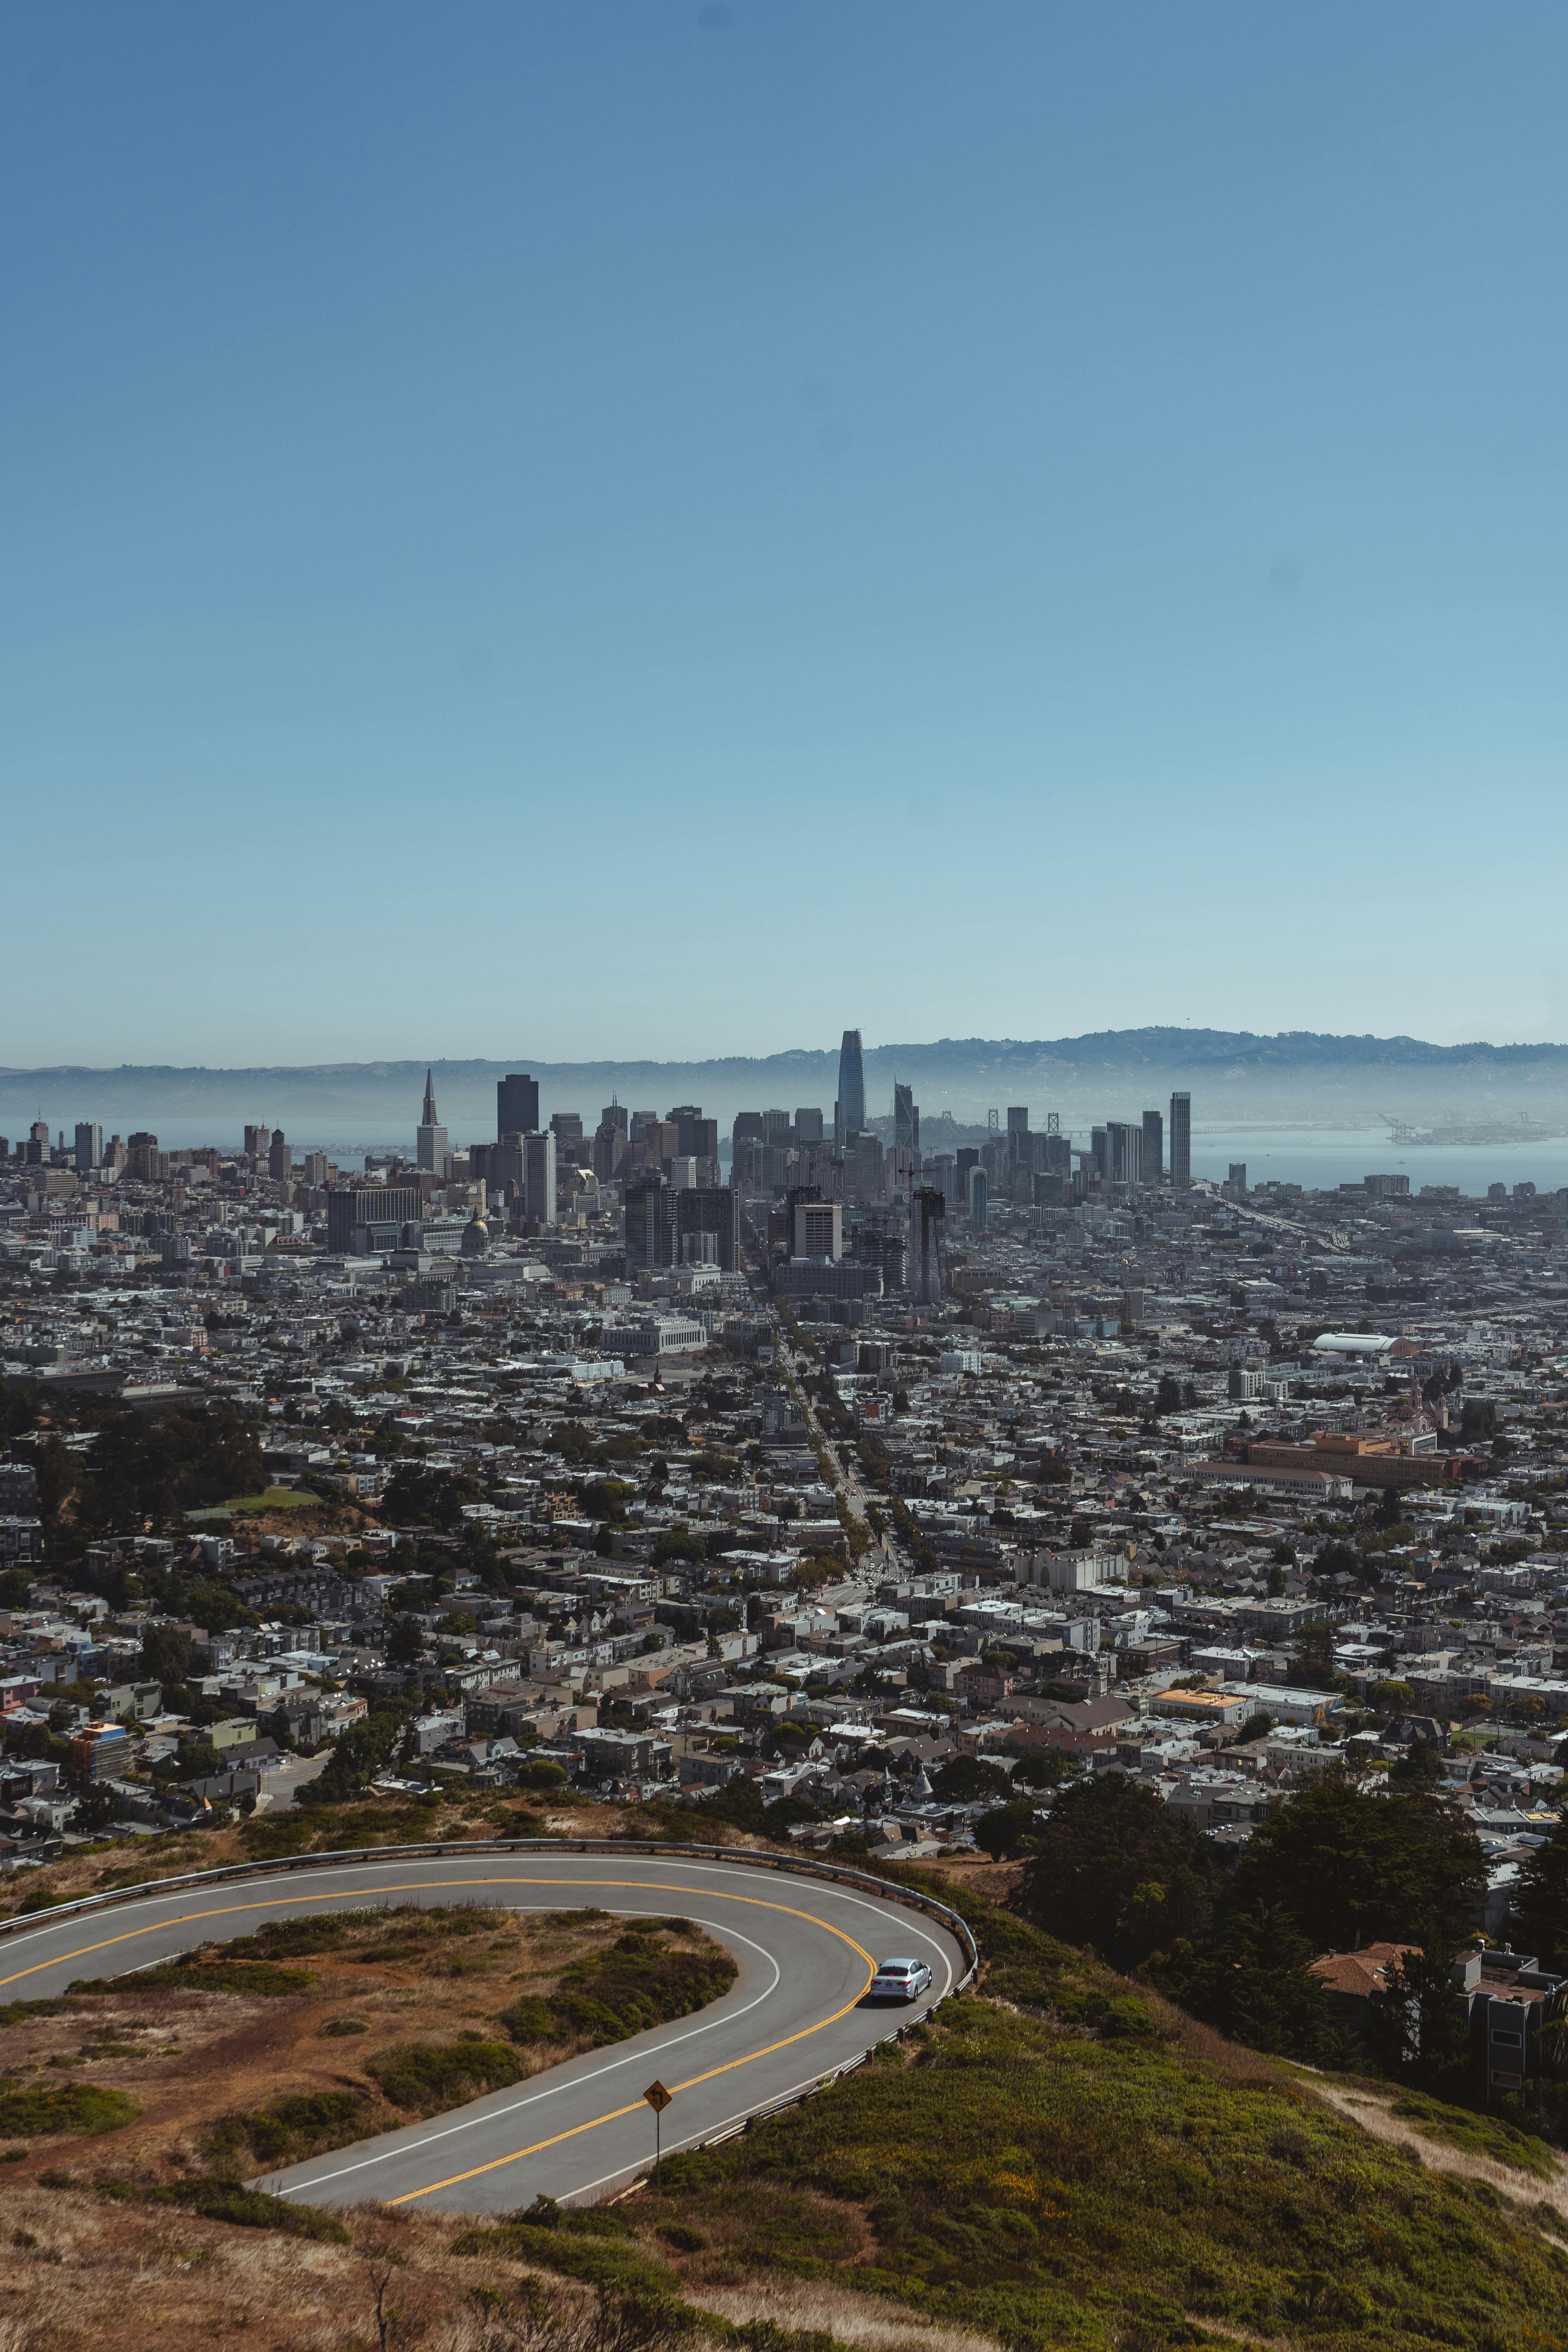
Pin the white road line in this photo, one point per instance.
(494, 2114)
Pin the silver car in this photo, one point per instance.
(900, 1980)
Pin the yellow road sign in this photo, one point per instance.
(658, 2097)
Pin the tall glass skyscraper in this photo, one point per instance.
(1181, 1140)
(849, 1113)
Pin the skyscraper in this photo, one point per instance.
(849, 1111)
(538, 1179)
(928, 1227)
(517, 1106)
(430, 1147)
(1153, 1148)
(1124, 1150)
(906, 1117)
(1020, 1152)
(280, 1157)
(89, 1149)
(1181, 1140)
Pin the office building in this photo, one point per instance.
(144, 1163)
(818, 1230)
(538, 1179)
(1099, 1154)
(850, 1110)
(89, 1149)
(314, 1168)
(354, 1210)
(683, 1173)
(863, 1168)
(258, 1142)
(906, 1117)
(979, 1187)
(808, 1127)
(928, 1255)
(666, 1226)
(609, 1142)
(566, 1127)
(1153, 1148)
(1181, 1140)
(280, 1157)
(517, 1106)
(1124, 1152)
(696, 1138)
(1236, 1182)
(430, 1147)
(1020, 1144)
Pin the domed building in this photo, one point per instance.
(476, 1240)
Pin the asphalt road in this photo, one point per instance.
(806, 1950)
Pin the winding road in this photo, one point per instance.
(805, 1949)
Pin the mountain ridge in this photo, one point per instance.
(1315, 1077)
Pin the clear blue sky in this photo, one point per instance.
(604, 526)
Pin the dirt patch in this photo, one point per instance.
(327, 2018)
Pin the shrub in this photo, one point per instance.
(193, 1974)
(216, 2198)
(429, 2077)
(637, 1982)
(77, 2108)
(291, 2129)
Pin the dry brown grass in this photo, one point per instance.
(190, 2057)
(870, 2321)
(100, 2274)
(1373, 2108)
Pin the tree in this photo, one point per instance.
(17, 1411)
(1540, 1923)
(416, 1496)
(965, 1779)
(1350, 1865)
(1419, 2032)
(1005, 1831)
(1422, 1762)
(58, 1470)
(157, 1467)
(1113, 1869)
(1043, 1767)
(1167, 1396)
(405, 1643)
(1254, 1984)
(679, 1543)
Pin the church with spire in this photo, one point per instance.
(432, 1150)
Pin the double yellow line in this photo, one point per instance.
(424, 1886)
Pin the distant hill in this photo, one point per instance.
(1234, 1078)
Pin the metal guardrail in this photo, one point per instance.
(786, 1864)
(285, 1865)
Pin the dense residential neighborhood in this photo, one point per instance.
(868, 1499)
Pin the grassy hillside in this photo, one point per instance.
(1057, 2161)
(1064, 2163)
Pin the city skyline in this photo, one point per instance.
(693, 435)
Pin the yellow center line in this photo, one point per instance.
(654, 1885)
(615, 2114)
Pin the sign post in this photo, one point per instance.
(658, 2098)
